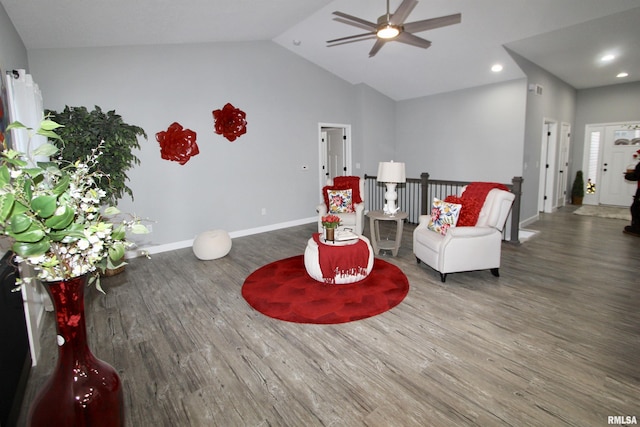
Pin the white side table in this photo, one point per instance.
(376, 242)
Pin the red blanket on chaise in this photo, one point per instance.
(472, 201)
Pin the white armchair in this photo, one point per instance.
(353, 221)
(466, 248)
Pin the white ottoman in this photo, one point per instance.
(312, 260)
(212, 244)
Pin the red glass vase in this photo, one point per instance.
(83, 390)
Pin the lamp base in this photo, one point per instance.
(390, 211)
(390, 196)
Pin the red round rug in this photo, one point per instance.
(284, 290)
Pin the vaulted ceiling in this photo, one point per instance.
(565, 37)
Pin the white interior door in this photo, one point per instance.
(619, 144)
(563, 164)
(334, 151)
(336, 158)
(548, 166)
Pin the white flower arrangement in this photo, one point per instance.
(53, 213)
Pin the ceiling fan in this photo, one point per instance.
(391, 27)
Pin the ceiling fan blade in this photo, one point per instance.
(354, 20)
(351, 41)
(409, 38)
(376, 47)
(357, 36)
(402, 12)
(430, 24)
(355, 24)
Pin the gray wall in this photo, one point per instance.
(13, 54)
(376, 122)
(607, 104)
(492, 132)
(557, 102)
(470, 135)
(228, 183)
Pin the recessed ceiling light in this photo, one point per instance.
(607, 58)
(623, 74)
(496, 68)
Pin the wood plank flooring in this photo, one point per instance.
(554, 341)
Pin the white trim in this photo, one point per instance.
(564, 191)
(530, 220)
(138, 252)
(322, 148)
(594, 199)
(272, 227)
(548, 156)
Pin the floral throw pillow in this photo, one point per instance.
(443, 216)
(340, 201)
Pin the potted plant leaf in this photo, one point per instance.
(577, 191)
(82, 132)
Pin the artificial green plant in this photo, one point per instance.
(84, 130)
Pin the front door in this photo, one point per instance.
(619, 144)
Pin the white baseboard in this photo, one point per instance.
(233, 234)
(528, 221)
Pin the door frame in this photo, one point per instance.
(594, 199)
(563, 169)
(548, 151)
(322, 150)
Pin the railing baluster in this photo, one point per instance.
(416, 195)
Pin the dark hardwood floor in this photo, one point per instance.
(554, 341)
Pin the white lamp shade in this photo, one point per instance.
(391, 172)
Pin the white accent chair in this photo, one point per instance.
(466, 248)
(351, 221)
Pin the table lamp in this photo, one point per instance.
(391, 173)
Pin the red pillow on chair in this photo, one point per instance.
(469, 211)
(344, 183)
(349, 182)
(472, 201)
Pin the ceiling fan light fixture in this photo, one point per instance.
(388, 31)
(392, 27)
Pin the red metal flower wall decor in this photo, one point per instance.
(230, 122)
(177, 144)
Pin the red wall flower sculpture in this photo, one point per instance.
(177, 144)
(230, 122)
